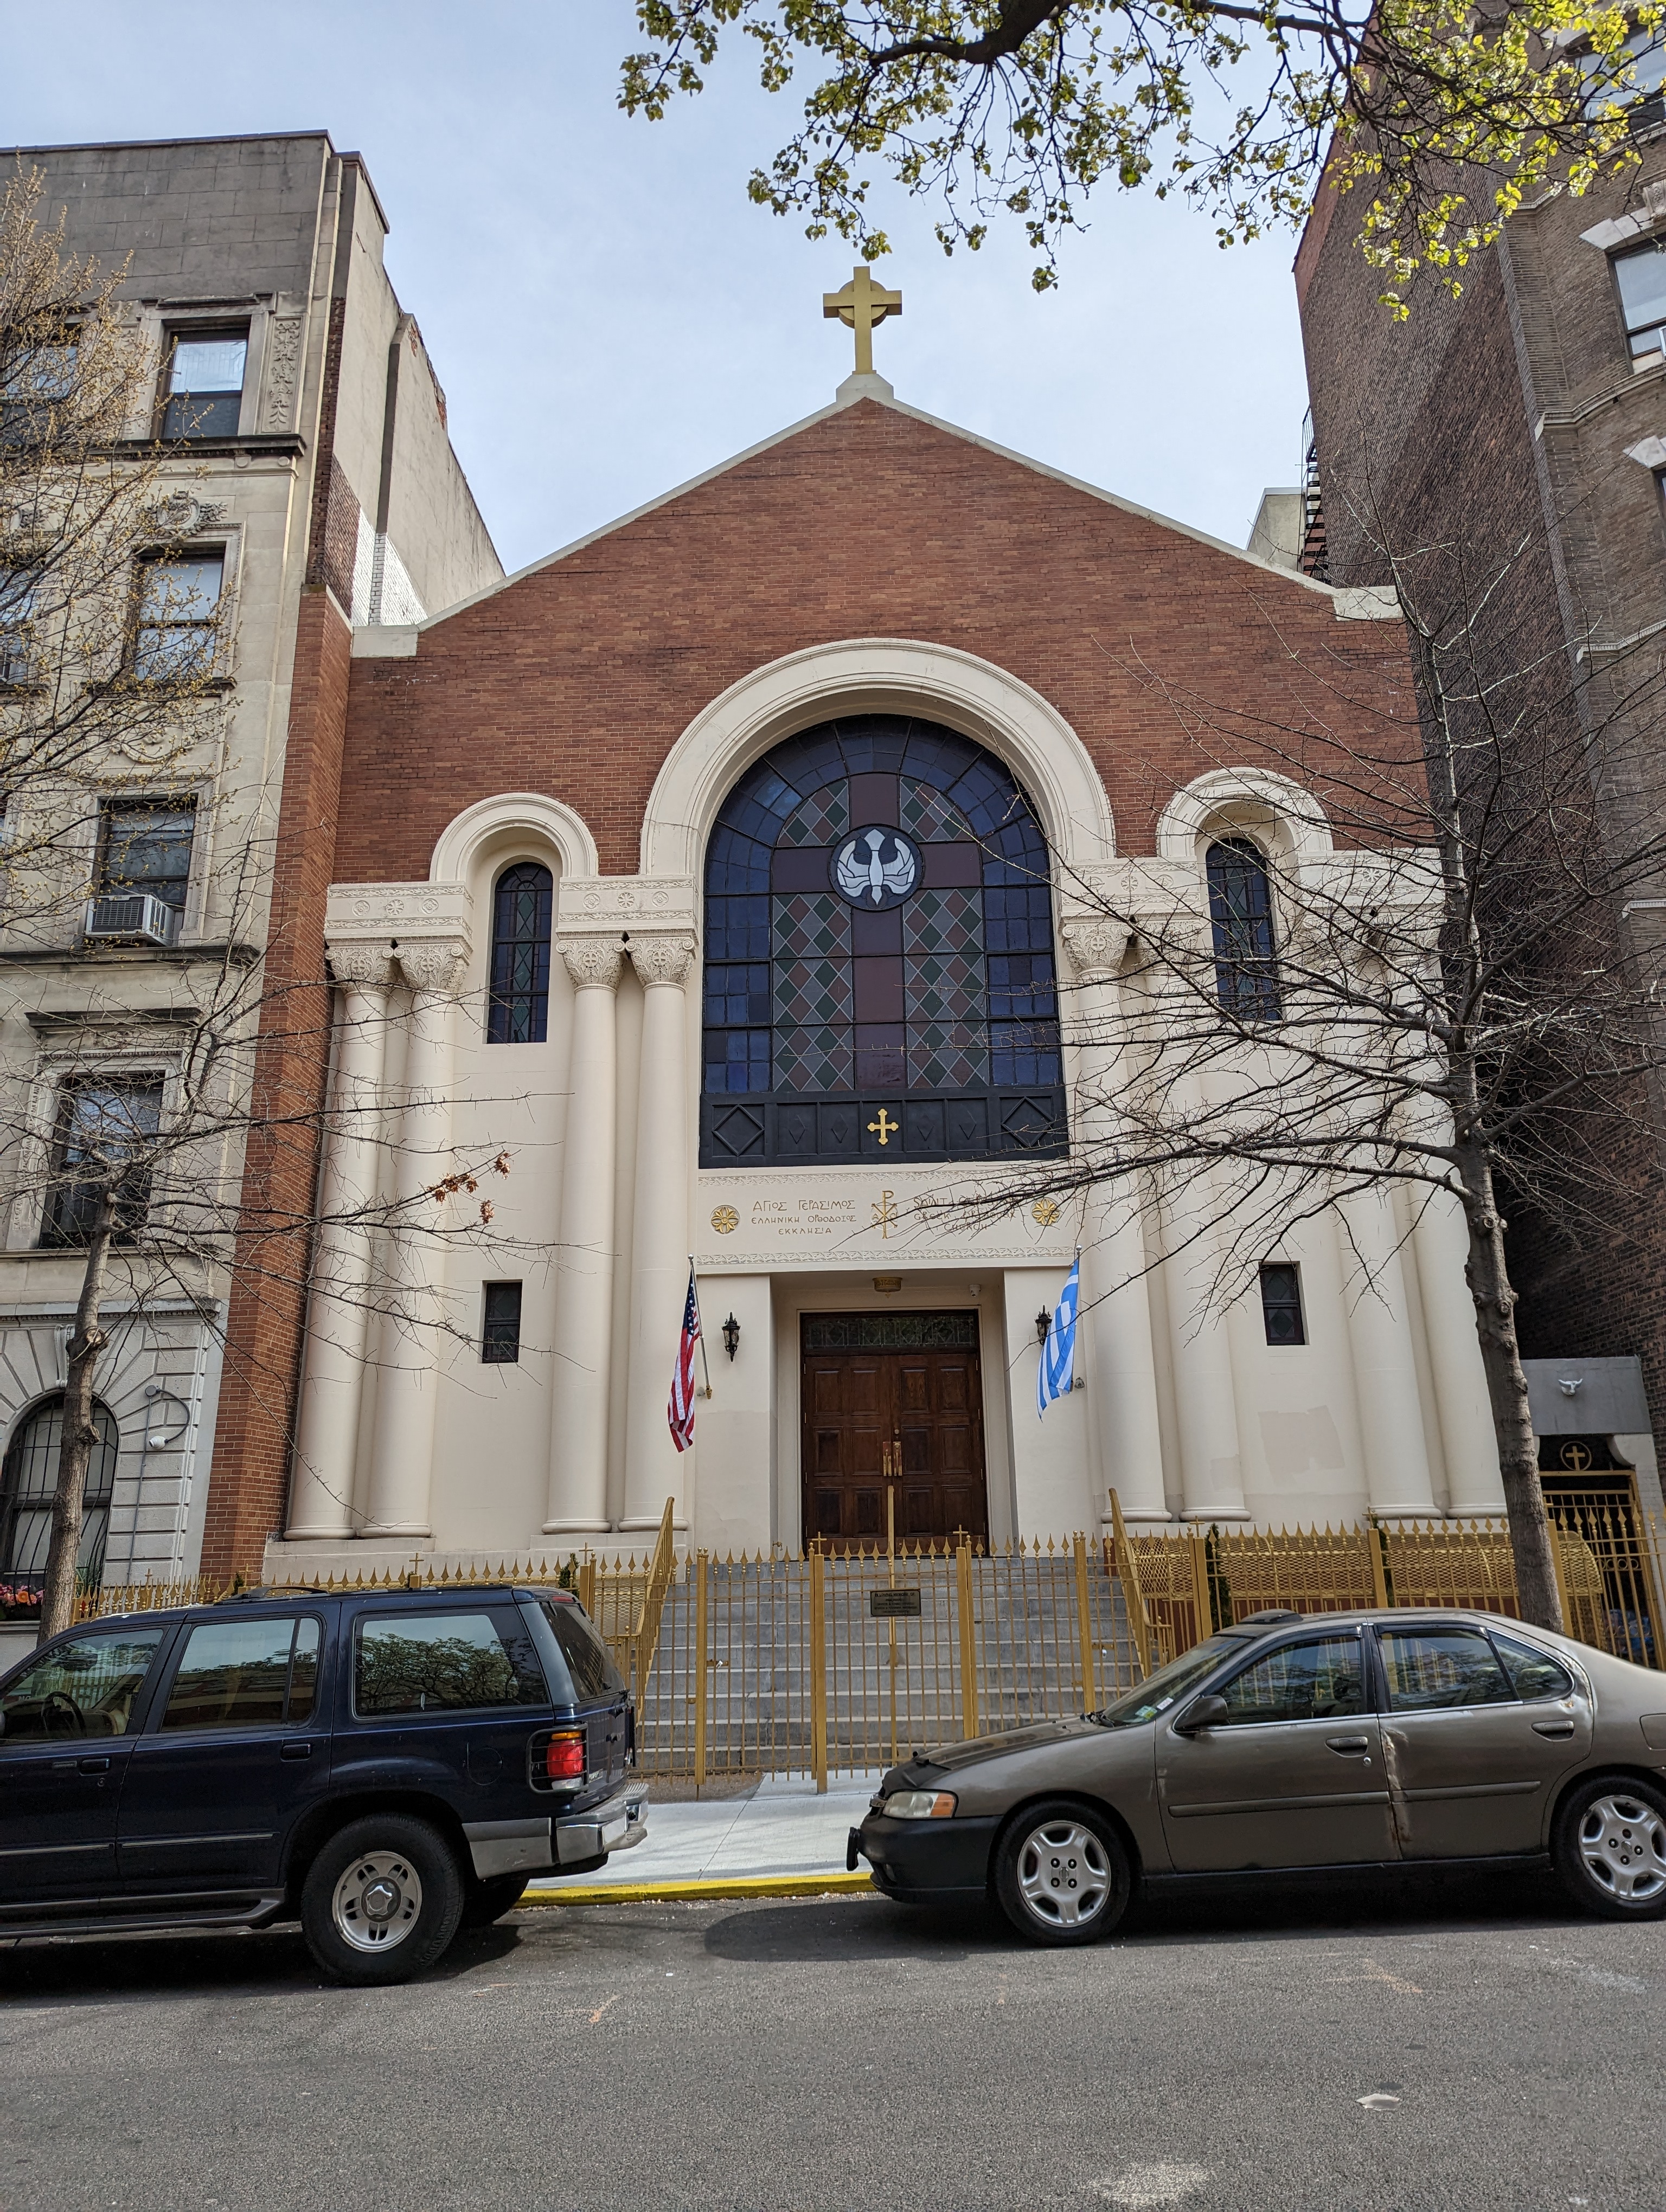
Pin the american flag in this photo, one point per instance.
(679, 1413)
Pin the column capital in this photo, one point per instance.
(661, 959)
(362, 962)
(595, 964)
(1096, 945)
(431, 963)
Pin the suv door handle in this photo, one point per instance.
(1346, 1743)
(94, 1765)
(295, 1750)
(1552, 1727)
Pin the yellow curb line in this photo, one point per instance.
(666, 1893)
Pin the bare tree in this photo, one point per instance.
(1433, 997)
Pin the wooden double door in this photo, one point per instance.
(892, 1402)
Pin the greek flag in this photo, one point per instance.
(1058, 1355)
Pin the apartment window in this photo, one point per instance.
(144, 845)
(1241, 917)
(178, 625)
(17, 602)
(203, 393)
(29, 1481)
(40, 379)
(500, 1334)
(104, 1129)
(1645, 55)
(1641, 276)
(1281, 1303)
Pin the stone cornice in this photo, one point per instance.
(594, 904)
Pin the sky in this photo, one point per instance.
(609, 315)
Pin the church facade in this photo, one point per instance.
(723, 890)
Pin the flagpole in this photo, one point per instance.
(694, 1285)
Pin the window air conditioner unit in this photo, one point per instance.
(135, 916)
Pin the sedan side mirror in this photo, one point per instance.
(1202, 1713)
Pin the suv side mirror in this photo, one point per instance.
(1202, 1713)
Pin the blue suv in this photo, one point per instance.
(388, 1766)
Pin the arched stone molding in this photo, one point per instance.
(1248, 800)
(886, 676)
(485, 832)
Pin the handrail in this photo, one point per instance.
(644, 1629)
(1134, 1596)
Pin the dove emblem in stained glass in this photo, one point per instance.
(875, 867)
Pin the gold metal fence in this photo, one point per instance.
(829, 1664)
(1181, 1586)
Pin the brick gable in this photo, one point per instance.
(577, 678)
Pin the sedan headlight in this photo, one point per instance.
(919, 1805)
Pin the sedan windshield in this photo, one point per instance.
(1160, 1691)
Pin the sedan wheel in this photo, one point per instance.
(1610, 1847)
(1060, 1876)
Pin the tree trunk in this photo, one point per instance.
(87, 1340)
(1487, 1273)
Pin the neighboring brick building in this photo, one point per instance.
(678, 908)
(313, 490)
(1526, 421)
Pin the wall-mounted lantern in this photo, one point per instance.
(732, 1336)
(1043, 1322)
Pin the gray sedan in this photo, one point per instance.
(1287, 1741)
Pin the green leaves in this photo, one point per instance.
(1442, 116)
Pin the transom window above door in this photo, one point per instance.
(879, 977)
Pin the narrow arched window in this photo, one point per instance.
(518, 1010)
(27, 1481)
(1241, 915)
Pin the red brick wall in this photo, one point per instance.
(248, 1484)
(577, 680)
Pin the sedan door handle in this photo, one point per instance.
(1552, 1727)
(296, 1751)
(1348, 1743)
(94, 1765)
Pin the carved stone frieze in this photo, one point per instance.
(627, 902)
(593, 963)
(661, 959)
(393, 912)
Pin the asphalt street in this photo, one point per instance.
(1452, 2045)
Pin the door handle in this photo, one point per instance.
(1348, 1743)
(1552, 1727)
(295, 1750)
(94, 1765)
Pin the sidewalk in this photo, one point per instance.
(780, 1832)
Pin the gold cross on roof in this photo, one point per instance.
(859, 306)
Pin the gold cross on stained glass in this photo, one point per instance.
(861, 306)
(885, 1129)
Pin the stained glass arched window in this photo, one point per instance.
(29, 1478)
(879, 976)
(1241, 917)
(523, 906)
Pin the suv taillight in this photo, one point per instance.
(556, 1756)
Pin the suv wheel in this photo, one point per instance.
(1061, 1874)
(487, 1901)
(381, 1900)
(1609, 1847)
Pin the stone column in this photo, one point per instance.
(1120, 1368)
(402, 1455)
(655, 1469)
(580, 1359)
(1441, 1242)
(321, 1492)
(1397, 1476)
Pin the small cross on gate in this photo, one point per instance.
(885, 1129)
(861, 306)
